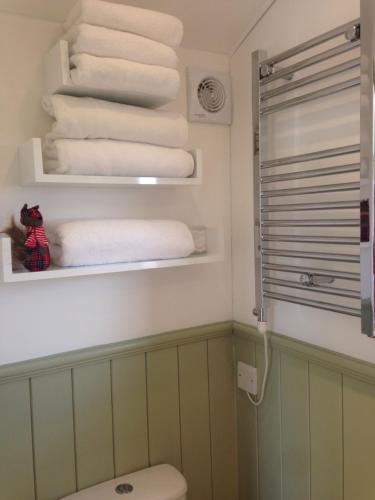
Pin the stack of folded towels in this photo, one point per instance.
(119, 47)
(95, 137)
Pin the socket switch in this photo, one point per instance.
(247, 378)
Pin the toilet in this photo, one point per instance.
(161, 482)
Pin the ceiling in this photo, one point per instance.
(213, 25)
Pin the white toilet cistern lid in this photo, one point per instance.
(161, 482)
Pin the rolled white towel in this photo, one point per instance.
(104, 42)
(161, 27)
(121, 75)
(88, 118)
(92, 242)
(116, 158)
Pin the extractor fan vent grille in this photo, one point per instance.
(211, 94)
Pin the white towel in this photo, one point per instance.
(155, 25)
(121, 75)
(103, 42)
(88, 118)
(91, 242)
(116, 158)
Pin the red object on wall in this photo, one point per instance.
(36, 243)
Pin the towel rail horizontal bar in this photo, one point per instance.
(323, 240)
(315, 155)
(313, 303)
(316, 77)
(299, 254)
(328, 188)
(307, 174)
(297, 207)
(311, 223)
(311, 96)
(344, 275)
(310, 61)
(341, 30)
(338, 292)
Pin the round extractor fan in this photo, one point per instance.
(209, 96)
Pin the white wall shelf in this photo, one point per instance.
(215, 253)
(30, 164)
(57, 80)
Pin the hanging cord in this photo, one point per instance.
(262, 328)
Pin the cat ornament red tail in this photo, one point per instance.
(36, 243)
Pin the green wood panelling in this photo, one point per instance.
(325, 427)
(295, 428)
(326, 434)
(16, 453)
(311, 425)
(108, 410)
(53, 430)
(269, 430)
(246, 431)
(163, 407)
(93, 424)
(130, 414)
(195, 420)
(222, 414)
(359, 439)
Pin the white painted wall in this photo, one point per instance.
(38, 319)
(43, 318)
(286, 24)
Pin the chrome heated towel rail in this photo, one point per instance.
(280, 220)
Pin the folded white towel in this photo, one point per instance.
(88, 118)
(155, 25)
(121, 75)
(104, 157)
(90, 242)
(104, 42)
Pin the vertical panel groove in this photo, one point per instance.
(256, 433)
(32, 438)
(342, 435)
(309, 423)
(112, 415)
(281, 435)
(210, 420)
(147, 412)
(179, 402)
(74, 430)
(236, 447)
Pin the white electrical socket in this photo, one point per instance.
(247, 378)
